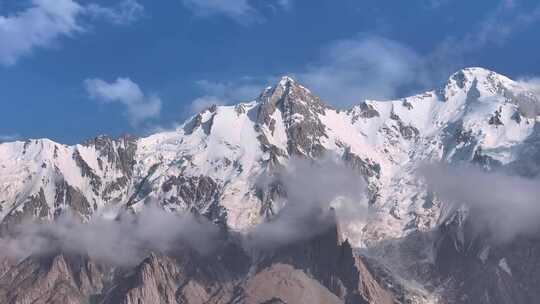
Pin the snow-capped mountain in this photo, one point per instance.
(211, 164)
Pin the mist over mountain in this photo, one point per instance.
(429, 198)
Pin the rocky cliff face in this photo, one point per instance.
(212, 164)
(332, 262)
(477, 270)
(52, 279)
(320, 270)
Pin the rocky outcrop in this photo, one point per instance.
(118, 152)
(35, 207)
(282, 283)
(299, 111)
(476, 270)
(69, 198)
(331, 261)
(54, 279)
(319, 270)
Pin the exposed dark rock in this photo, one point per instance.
(496, 118)
(52, 279)
(118, 152)
(207, 125)
(516, 117)
(476, 271)
(458, 142)
(239, 109)
(35, 207)
(485, 161)
(407, 131)
(269, 195)
(366, 111)
(299, 110)
(86, 171)
(69, 198)
(473, 94)
(460, 79)
(142, 188)
(192, 125)
(367, 167)
(118, 185)
(199, 194)
(407, 104)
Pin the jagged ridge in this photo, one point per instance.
(211, 163)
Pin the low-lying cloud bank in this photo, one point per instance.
(123, 241)
(500, 205)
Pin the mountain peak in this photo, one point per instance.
(290, 91)
(469, 74)
(287, 80)
(475, 79)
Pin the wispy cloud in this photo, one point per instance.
(494, 29)
(365, 67)
(374, 67)
(370, 66)
(502, 22)
(243, 11)
(222, 93)
(46, 21)
(124, 13)
(285, 4)
(333, 186)
(124, 240)
(9, 137)
(38, 26)
(501, 205)
(139, 107)
(532, 84)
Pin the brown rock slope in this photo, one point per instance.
(320, 270)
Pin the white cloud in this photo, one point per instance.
(242, 11)
(367, 67)
(222, 93)
(304, 214)
(139, 107)
(532, 84)
(204, 102)
(505, 206)
(285, 4)
(123, 240)
(374, 67)
(125, 12)
(46, 21)
(530, 107)
(495, 29)
(38, 26)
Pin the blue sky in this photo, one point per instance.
(73, 69)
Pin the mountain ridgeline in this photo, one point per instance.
(412, 246)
